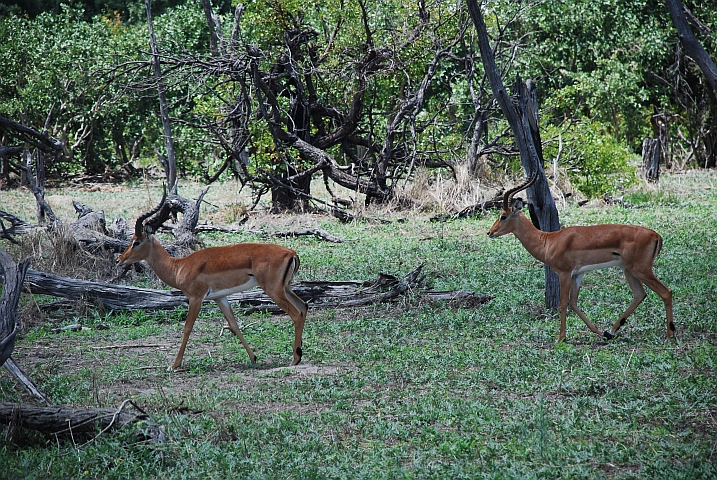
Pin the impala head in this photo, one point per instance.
(510, 211)
(138, 248)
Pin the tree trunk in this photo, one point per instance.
(521, 113)
(290, 194)
(543, 211)
(163, 108)
(651, 149)
(14, 278)
(695, 51)
(213, 48)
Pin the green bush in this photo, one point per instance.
(596, 163)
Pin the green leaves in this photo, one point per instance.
(595, 161)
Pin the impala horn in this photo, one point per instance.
(139, 225)
(509, 194)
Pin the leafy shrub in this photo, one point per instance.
(596, 163)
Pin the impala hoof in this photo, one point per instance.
(608, 335)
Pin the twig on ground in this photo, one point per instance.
(143, 345)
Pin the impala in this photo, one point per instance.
(213, 273)
(573, 251)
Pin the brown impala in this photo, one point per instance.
(213, 273)
(572, 251)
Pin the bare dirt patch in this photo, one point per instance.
(113, 368)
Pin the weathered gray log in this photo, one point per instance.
(344, 217)
(115, 297)
(472, 210)
(316, 294)
(58, 420)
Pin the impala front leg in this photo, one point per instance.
(574, 293)
(194, 307)
(231, 320)
(564, 296)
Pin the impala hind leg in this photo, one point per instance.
(654, 284)
(295, 307)
(194, 307)
(280, 291)
(638, 295)
(231, 320)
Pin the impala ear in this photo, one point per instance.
(518, 204)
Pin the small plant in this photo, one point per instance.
(235, 212)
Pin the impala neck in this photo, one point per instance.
(163, 264)
(532, 239)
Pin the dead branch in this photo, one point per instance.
(39, 140)
(59, 420)
(323, 234)
(18, 226)
(26, 382)
(120, 346)
(319, 232)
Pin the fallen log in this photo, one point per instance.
(115, 297)
(316, 294)
(18, 226)
(471, 211)
(59, 420)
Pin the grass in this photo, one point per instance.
(408, 389)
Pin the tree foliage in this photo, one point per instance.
(363, 92)
(617, 63)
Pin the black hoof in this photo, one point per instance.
(608, 335)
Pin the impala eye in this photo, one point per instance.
(502, 218)
(135, 243)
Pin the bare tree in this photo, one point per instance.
(521, 111)
(170, 161)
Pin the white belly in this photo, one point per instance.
(211, 295)
(599, 266)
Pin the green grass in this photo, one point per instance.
(410, 389)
